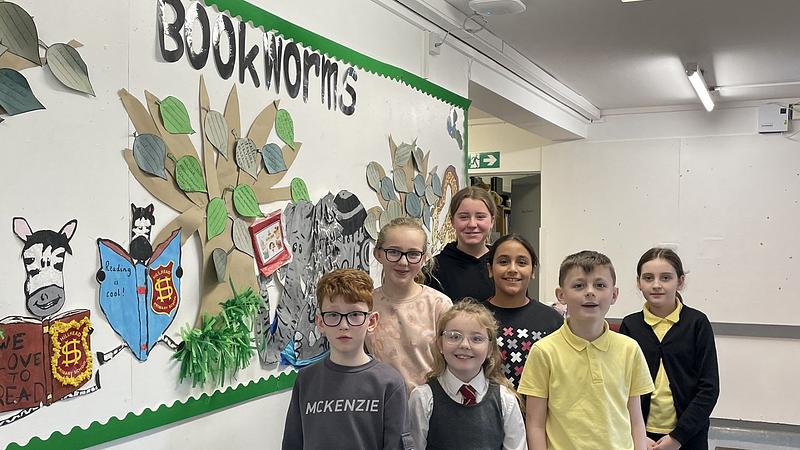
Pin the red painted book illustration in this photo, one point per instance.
(43, 360)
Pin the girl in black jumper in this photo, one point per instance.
(678, 343)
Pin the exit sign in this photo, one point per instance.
(484, 160)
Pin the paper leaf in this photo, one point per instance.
(383, 220)
(241, 236)
(246, 156)
(150, 154)
(16, 96)
(374, 175)
(394, 209)
(430, 196)
(459, 140)
(299, 190)
(419, 158)
(403, 154)
(371, 222)
(220, 258)
(426, 217)
(400, 181)
(217, 132)
(419, 184)
(245, 201)
(3, 48)
(189, 174)
(436, 184)
(272, 156)
(387, 189)
(175, 117)
(284, 126)
(413, 207)
(68, 67)
(216, 218)
(18, 32)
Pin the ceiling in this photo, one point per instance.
(631, 55)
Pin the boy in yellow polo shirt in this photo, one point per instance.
(583, 382)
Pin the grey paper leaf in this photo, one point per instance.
(18, 32)
(400, 181)
(246, 156)
(68, 67)
(216, 129)
(3, 48)
(371, 223)
(220, 263)
(413, 207)
(273, 158)
(374, 175)
(150, 154)
(419, 184)
(403, 154)
(426, 217)
(395, 209)
(387, 189)
(384, 219)
(430, 196)
(460, 140)
(16, 96)
(241, 236)
(436, 184)
(418, 158)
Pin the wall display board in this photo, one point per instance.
(219, 160)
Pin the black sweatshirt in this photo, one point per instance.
(458, 275)
(690, 363)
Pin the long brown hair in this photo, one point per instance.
(493, 365)
(475, 193)
(667, 255)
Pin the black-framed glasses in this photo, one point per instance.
(354, 318)
(453, 337)
(394, 255)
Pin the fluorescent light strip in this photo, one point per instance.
(699, 85)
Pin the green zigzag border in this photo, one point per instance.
(99, 433)
(267, 21)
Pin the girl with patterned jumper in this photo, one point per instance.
(678, 343)
(460, 269)
(405, 335)
(522, 321)
(467, 403)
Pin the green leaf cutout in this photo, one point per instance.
(68, 67)
(150, 154)
(245, 201)
(247, 156)
(175, 117)
(189, 174)
(16, 96)
(18, 32)
(216, 218)
(241, 236)
(216, 129)
(220, 258)
(299, 190)
(284, 126)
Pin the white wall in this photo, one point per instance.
(520, 150)
(726, 196)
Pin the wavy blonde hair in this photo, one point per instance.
(493, 365)
(412, 224)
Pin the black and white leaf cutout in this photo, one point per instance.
(18, 32)
(400, 181)
(150, 154)
(16, 96)
(394, 209)
(241, 236)
(220, 258)
(247, 156)
(403, 154)
(68, 67)
(374, 175)
(216, 129)
(419, 157)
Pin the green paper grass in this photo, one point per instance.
(223, 344)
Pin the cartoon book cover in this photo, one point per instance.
(140, 298)
(43, 360)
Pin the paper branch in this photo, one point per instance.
(266, 181)
(227, 172)
(212, 182)
(189, 221)
(160, 188)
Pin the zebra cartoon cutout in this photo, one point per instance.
(51, 351)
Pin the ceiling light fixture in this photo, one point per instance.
(699, 84)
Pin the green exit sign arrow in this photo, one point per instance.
(484, 160)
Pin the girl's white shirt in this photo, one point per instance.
(421, 406)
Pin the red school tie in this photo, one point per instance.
(468, 393)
